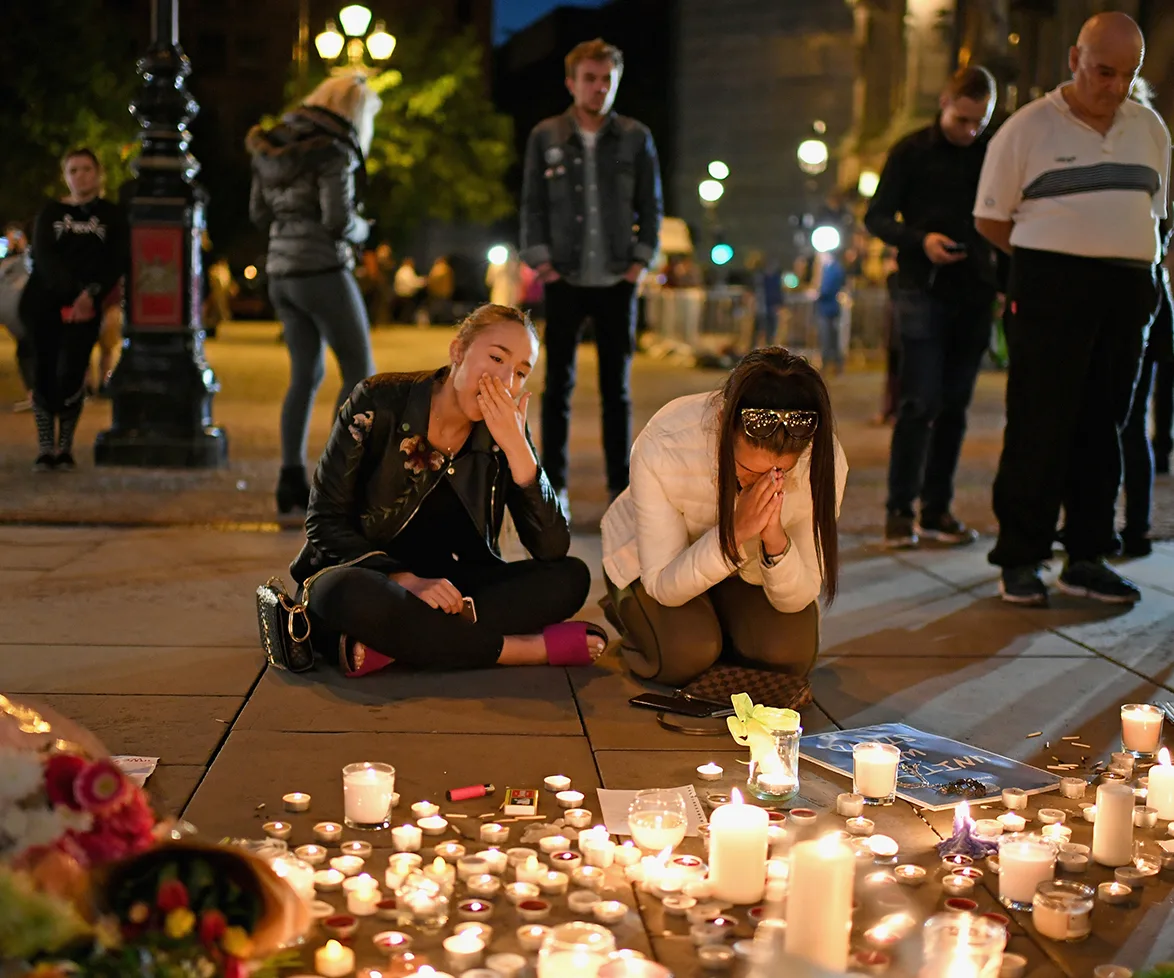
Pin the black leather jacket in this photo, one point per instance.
(552, 194)
(308, 179)
(365, 490)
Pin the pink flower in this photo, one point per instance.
(61, 772)
(101, 788)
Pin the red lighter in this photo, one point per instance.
(473, 791)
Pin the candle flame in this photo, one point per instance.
(962, 819)
(333, 947)
(438, 863)
(890, 929)
(1164, 757)
(735, 797)
(664, 856)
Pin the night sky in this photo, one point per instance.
(512, 15)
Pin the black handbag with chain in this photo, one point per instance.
(284, 623)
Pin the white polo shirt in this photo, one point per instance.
(1071, 190)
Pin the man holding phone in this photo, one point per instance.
(943, 304)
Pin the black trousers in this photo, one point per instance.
(1164, 412)
(613, 313)
(61, 354)
(1138, 455)
(1075, 334)
(519, 598)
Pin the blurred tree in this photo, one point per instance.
(78, 96)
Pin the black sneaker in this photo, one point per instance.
(1022, 585)
(946, 529)
(900, 532)
(65, 462)
(45, 463)
(1095, 579)
(1134, 545)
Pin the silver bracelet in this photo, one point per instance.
(767, 559)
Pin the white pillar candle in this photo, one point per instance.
(1141, 728)
(333, 960)
(738, 851)
(598, 852)
(874, 771)
(366, 794)
(818, 925)
(1161, 786)
(1112, 832)
(1024, 863)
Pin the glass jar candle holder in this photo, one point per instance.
(367, 790)
(1062, 910)
(874, 772)
(774, 766)
(657, 819)
(422, 901)
(1025, 861)
(957, 944)
(575, 950)
(1141, 729)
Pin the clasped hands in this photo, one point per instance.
(756, 513)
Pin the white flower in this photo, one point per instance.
(21, 775)
(28, 828)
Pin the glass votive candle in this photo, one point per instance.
(494, 834)
(962, 944)
(1062, 910)
(1025, 861)
(367, 788)
(874, 772)
(1141, 729)
(484, 885)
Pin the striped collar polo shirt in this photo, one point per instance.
(1068, 189)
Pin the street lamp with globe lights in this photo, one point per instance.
(813, 156)
(825, 238)
(718, 170)
(867, 184)
(355, 19)
(710, 191)
(499, 254)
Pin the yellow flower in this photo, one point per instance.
(47, 970)
(237, 943)
(179, 923)
(139, 913)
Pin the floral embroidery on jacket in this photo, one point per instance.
(360, 426)
(421, 457)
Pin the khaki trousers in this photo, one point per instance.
(675, 645)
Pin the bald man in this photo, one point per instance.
(1073, 187)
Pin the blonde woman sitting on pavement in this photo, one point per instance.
(726, 537)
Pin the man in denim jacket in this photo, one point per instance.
(591, 212)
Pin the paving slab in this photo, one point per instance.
(1156, 570)
(602, 693)
(256, 767)
(958, 625)
(871, 591)
(521, 700)
(991, 703)
(176, 729)
(963, 567)
(28, 556)
(175, 670)
(172, 785)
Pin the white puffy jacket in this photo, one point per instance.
(663, 528)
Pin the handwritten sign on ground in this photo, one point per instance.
(928, 764)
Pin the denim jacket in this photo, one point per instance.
(552, 194)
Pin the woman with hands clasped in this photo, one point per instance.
(410, 494)
(726, 537)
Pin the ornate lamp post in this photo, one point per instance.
(355, 19)
(163, 386)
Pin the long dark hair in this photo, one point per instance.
(774, 378)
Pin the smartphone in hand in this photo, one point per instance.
(468, 610)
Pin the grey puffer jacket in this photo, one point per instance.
(305, 172)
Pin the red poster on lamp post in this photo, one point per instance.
(157, 277)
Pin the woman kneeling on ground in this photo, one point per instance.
(420, 469)
(727, 534)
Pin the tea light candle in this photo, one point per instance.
(531, 937)
(470, 866)
(361, 901)
(450, 852)
(1072, 862)
(988, 828)
(483, 886)
(347, 865)
(1073, 787)
(388, 909)
(958, 885)
(577, 818)
(823, 870)
(313, 855)
(1014, 965)
(529, 871)
(478, 928)
(441, 872)
(517, 892)
(341, 926)
(399, 866)
(1012, 822)
(1114, 893)
(407, 838)
(627, 854)
(1057, 832)
(462, 952)
(597, 853)
(678, 906)
(296, 801)
(519, 855)
(850, 805)
(356, 848)
(570, 799)
(494, 834)
(582, 901)
(334, 960)
(861, 826)
(589, 877)
(557, 783)
(802, 819)
(553, 843)
(505, 965)
(738, 851)
(1130, 876)
(1051, 816)
(479, 910)
(610, 912)
(328, 832)
(1088, 812)
(391, 940)
(554, 883)
(497, 860)
(566, 861)
(423, 809)
(710, 772)
(1141, 728)
(1161, 786)
(909, 874)
(432, 824)
(1014, 799)
(328, 880)
(534, 910)
(277, 830)
(1112, 836)
(1145, 818)
(699, 889)
(883, 847)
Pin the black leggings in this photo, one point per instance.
(62, 357)
(519, 598)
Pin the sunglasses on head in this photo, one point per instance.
(761, 423)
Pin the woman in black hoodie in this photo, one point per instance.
(79, 254)
(308, 173)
